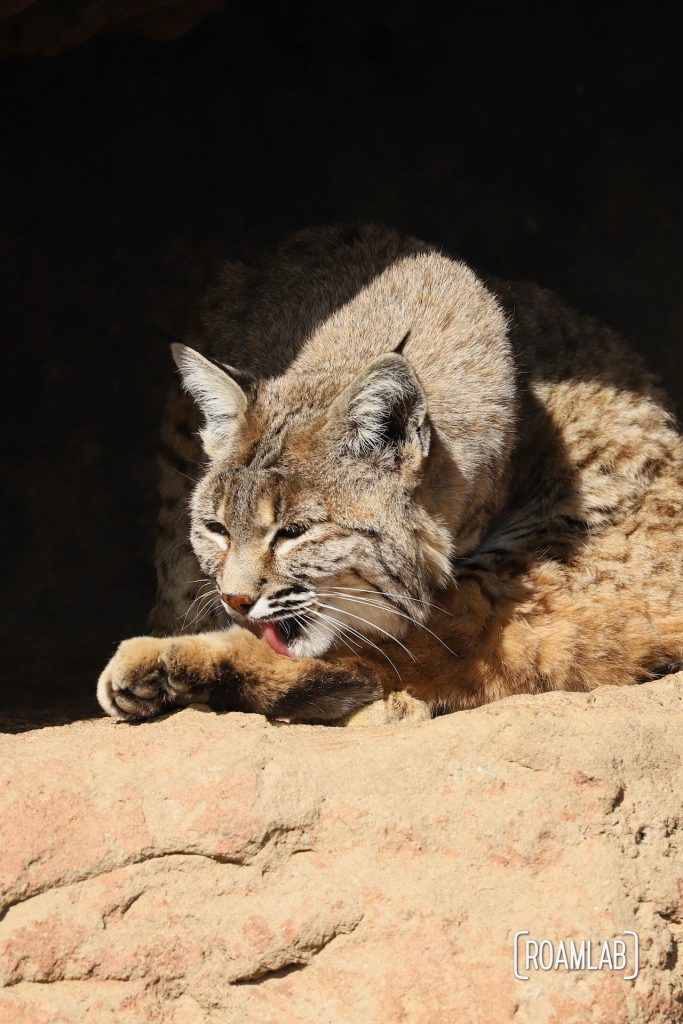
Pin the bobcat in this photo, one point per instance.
(418, 493)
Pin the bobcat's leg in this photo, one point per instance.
(235, 671)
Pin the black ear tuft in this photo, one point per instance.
(402, 344)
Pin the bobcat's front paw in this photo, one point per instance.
(147, 675)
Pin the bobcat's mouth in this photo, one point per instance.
(278, 633)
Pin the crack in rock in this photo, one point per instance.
(261, 974)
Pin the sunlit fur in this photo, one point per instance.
(486, 490)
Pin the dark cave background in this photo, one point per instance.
(535, 141)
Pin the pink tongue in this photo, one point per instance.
(271, 634)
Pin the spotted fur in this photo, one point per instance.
(417, 482)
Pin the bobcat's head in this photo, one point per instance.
(309, 516)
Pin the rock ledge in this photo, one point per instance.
(223, 869)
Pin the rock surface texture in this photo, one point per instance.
(224, 869)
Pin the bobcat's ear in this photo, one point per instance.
(384, 413)
(218, 395)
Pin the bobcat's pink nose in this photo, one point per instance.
(239, 602)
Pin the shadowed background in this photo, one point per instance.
(535, 141)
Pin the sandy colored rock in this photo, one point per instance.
(224, 869)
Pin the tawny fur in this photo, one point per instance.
(522, 502)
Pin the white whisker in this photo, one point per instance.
(394, 597)
(336, 635)
(392, 611)
(360, 636)
(180, 472)
(203, 610)
(201, 594)
(372, 626)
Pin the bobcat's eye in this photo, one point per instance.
(289, 532)
(217, 527)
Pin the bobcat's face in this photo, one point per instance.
(307, 519)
